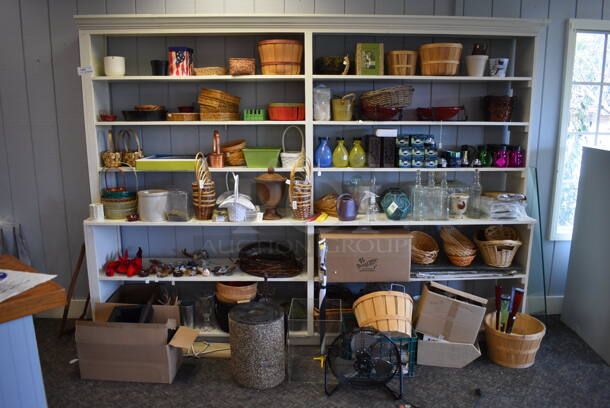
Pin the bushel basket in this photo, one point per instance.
(388, 311)
(280, 57)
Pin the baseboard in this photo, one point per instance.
(76, 309)
(535, 304)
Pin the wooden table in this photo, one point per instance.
(20, 375)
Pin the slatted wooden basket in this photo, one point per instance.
(388, 311)
(401, 62)
(280, 57)
(440, 58)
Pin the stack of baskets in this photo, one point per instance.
(459, 249)
(424, 248)
(327, 204)
(401, 62)
(204, 190)
(300, 190)
(440, 58)
(392, 97)
(118, 202)
(218, 105)
(498, 245)
(280, 57)
(236, 292)
(233, 151)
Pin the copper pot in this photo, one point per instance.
(216, 158)
(270, 191)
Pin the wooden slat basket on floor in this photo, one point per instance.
(388, 311)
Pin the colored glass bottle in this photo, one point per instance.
(323, 156)
(357, 156)
(501, 156)
(340, 154)
(516, 157)
(485, 156)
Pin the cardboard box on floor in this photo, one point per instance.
(452, 316)
(368, 256)
(138, 352)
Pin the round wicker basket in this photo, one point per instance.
(499, 253)
(424, 248)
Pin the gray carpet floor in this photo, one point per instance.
(567, 374)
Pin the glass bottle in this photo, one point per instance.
(418, 198)
(323, 156)
(444, 197)
(474, 205)
(516, 157)
(357, 156)
(340, 154)
(430, 198)
(501, 156)
(485, 156)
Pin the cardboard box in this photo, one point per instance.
(449, 314)
(137, 352)
(446, 354)
(368, 256)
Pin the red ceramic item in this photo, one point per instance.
(186, 109)
(125, 266)
(293, 111)
(107, 118)
(438, 112)
(381, 113)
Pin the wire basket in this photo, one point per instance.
(392, 97)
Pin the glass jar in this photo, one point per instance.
(177, 208)
(485, 156)
(516, 157)
(501, 156)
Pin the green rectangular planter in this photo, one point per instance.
(166, 163)
(261, 157)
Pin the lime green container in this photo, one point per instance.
(261, 157)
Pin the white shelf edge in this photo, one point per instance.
(289, 222)
(474, 277)
(236, 276)
(419, 78)
(416, 123)
(198, 78)
(240, 169)
(202, 123)
(409, 169)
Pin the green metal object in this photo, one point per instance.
(255, 114)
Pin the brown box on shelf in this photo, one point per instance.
(449, 314)
(373, 151)
(370, 256)
(388, 149)
(446, 354)
(137, 352)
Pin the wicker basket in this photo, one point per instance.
(499, 232)
(204, 189)
(387, 311)
(393, 97)
(130, 156)
(401, 62)
(269, 260)
(234, 156)
(517, 349)
(280, 57)
(499, 253)
(300, 190)
(424, 248)
(440, 58)
(110, 158)
(213, 97)
(236, 292)
(218, 116)
(461, 260)
(242, 66)
(203, 71)
(182, 117)
(290, 157)
(459, 249)
(327, 204)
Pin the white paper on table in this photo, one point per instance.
(13, 283)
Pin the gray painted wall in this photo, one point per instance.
(42, 152)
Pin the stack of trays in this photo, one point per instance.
(217, 105)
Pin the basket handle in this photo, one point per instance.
(404, 289)
(110, 141)
(349, 97)
(121, 170)
(126, 139)
(300, 132)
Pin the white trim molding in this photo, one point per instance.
(535, 304)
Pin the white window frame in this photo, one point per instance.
(573, 26)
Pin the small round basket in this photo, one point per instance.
(203, 71)
(234, 156)
(498, 252)
(517, 349)
(424, 248)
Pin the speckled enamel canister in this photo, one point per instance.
(257, 345)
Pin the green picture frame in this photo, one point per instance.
(369, 59)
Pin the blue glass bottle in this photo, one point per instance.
(323, 156)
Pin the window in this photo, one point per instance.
(585, 115)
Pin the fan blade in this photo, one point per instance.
(383, 368)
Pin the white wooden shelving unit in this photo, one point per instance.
(144, 37)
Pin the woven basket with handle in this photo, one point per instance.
(424, 248)
(204, 189)
(290, 157)
(498, 252)
(300, 190)
(130, 156)
(110, 157)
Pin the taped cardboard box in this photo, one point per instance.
(138, 352)
(449, 314)
(368, 256)
(446, 354)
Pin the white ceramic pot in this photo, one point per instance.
(475, 65)
(152, 205)
(114, 66)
